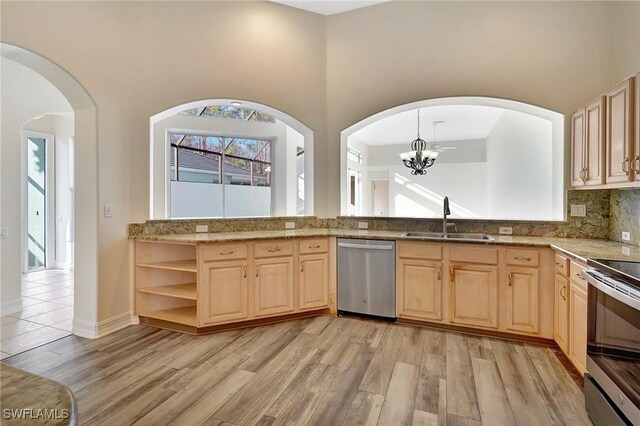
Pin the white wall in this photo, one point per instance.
(520, 169)
(25, 95)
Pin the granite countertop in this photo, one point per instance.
(579, 249)
(34, 399)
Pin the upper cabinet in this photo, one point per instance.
(587, 144)
(604, 151)
(635, 165)
(619, 137)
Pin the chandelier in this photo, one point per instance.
(420, 158)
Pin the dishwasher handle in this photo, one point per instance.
(366, 246)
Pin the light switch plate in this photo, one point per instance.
(626, 236)
(290, 225)
(506, 230)
(578, 210)
(108, 210)
(363, 225)
(4, 232)
(202, 228)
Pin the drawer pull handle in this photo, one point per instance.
(257, 269)
(563, 295)
(439, 273)
(625, 162)
(559, 264)
(274, 250)
(314, 247)
(579, 276)
(452, 274)
(245, 271)
(528, 259)
(302, 266)
(510, 279)
(226, 253)
(633, 165)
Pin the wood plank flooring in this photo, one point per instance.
(320, 371)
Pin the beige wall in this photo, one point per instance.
(557, 55)
(139, 58)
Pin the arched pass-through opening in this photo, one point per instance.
(85, 207)
(479, 129)
(160, 154)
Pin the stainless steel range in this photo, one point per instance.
(612, 382)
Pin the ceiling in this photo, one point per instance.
(328, 7)
(461, 122)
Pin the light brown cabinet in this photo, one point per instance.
(587, 144)
(635, 164)
(474, 295)
(419, 289)
(522, 300)
(561, 312)
(313, 281)
(225, 291)
(578, 325)
(619, 132)
(273, 286)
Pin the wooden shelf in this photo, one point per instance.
(182, 291)
(183, 315)
(173, 265)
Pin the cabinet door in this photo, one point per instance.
(561, 312)
(594, 142)
(523, 303)
(419, 289)
(636, 151)
(577, 148)
(314, 281)
(474, 295)
(619, 132)
(273, 286)
(578, 326)
(225, 291)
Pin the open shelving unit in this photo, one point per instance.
(166, 282)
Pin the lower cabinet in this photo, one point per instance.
(522, 302)
(419, 292)
(313, 279)
(225, 291)
(578, 325)
(273, 286)
(561, 312)
(474, 295)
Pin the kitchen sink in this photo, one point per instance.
(449, 236)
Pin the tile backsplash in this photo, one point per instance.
(625, 215)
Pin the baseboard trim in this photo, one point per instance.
(91, 330)
(11, 307)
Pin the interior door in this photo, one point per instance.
(36, 200)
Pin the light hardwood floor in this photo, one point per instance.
(321, 371)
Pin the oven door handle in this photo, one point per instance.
(616, 294)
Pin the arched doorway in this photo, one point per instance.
(171, 123)
(85, 207)
(496, 159)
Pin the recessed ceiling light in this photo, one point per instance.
(236, 103)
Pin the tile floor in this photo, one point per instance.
(47, 312)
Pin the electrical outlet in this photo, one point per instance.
(202, 228)
(4, 232)
(363, 225)
(578, 210)
(626, 236)
(108, 210)
(290, 225)
(506, 230)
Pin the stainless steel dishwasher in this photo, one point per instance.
(367, 277)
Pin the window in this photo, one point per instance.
(353, 155)
(230, 112)
(223, 165)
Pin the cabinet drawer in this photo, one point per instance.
(419, 250)
(273, 249)
(224, 252)
(314, 246)
(562, 265)
(522, 257)
(576, 274)
(473, 255)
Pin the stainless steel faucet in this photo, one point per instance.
(446, 213)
